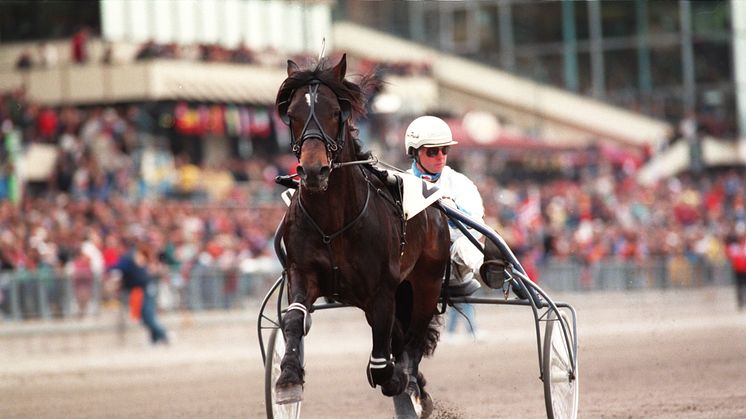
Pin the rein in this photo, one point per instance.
(290, 182)
(372, 160)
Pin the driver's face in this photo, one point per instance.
(434, 163)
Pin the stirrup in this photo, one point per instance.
(493, 273)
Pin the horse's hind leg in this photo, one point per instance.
(421, 340)
(381, 368)
(414, 401)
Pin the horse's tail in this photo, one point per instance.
(432, 336)
(429, 341)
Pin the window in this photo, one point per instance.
(488, 22)
(34, 19)
(618, 18)
(539, 22)
(712, 61)
(665, 64)
(663, 16)
(432, 27)
(710, 17)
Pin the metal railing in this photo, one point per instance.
(45, 295)
(613, 274)
(32, 295)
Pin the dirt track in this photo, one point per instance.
(642, 355)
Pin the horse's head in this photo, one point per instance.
(313, 104)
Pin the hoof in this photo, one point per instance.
(395, 386)
(407, 406)
(289, 394)
(427, 405)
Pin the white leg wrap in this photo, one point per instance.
(378, 363)
(300, 307)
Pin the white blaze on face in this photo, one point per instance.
(309, 97)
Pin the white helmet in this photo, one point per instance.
(427, 131)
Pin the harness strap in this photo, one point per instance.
(396, 205)
(327, 238)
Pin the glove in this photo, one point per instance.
(449, 202)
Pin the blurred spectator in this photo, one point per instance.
(47, 55)
(242, 54)
(24, 61)
(139, 270)
(462, 313)
(107, 57)
(188, 179)
(736, 250)
(148, 51)
(112, 250)
(80, 271)
(79, 45)
(46, 124)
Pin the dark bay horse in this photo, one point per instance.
(346, 239)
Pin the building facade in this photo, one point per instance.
(665, 58)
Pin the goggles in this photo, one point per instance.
(433, 151)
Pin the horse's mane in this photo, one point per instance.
(356, 93)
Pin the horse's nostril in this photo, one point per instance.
(301, 172)
(324, 172)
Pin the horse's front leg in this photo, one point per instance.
(381, 368)
(295, 324)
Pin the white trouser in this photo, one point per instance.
(466, 260)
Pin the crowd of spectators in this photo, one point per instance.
(605, 215)
(45, 55)
(81, 238)
(95, 200)
(214, 53)
(92, 205)
(242, 54)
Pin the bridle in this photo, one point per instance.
(312, 128)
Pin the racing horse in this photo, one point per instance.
(346, 238)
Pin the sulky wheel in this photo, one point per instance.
(275, 351)
(560, 382)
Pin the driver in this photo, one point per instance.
(428, 140)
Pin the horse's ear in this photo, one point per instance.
(292, 68)
(341, 68)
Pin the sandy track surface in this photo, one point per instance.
(652, 354)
